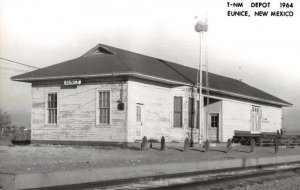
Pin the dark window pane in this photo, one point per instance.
(100, 99)
(52, 108)
(177, 111)
(108, 99)
(191, 112)
(104, 107)
(197, 112)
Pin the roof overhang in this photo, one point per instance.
(153, 78)
(132, 74)
(248, 97)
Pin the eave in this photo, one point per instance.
(152, 78)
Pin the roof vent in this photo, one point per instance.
(102, 50)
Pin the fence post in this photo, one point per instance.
(260, 141)
(191, 143)
(229, 145)
(252, 145)
(162, 143)
(206, 145)
(144, 143)
(186, 144)
(276, 146)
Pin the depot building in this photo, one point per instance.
(111, 95)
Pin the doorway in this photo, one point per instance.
(139, 121)
(214, 121)
(256, 119)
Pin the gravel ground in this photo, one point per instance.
(42, 158)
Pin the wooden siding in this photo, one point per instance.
(77, 114)
(271, 119)
(158, 111)
(237, 116)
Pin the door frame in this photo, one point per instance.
(142, 106)
(218, 128)
(259, 113)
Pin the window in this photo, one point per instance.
(177, 111)
(104, 107)
(256, 109)
(52, 108)
(139, 113)
(191, 112)
(197, 112)
(214, 120)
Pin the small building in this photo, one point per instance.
(113, 95)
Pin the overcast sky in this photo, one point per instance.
(262, 51)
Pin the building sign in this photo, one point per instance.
(72, 82)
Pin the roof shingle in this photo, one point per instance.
(122, 61)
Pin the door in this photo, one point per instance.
(213, 127)
(139, 122)
(256, 119)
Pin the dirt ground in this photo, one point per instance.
(42, 158)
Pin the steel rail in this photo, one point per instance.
(226, 179)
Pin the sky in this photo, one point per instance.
(261, 51)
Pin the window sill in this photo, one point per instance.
(100, 125)
(193, 128)
(177, 128)
(51, 125)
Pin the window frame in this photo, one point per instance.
(181, 113)
(98, 107)
(138, 115)
(197, 125)
(47, 108)
(216, 121)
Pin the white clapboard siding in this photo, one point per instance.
(157, 101)
(237, 116)
(77, 114)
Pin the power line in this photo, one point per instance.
(19, 63)
(12, 69)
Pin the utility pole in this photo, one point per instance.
(200, 27)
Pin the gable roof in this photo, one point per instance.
(105, 60)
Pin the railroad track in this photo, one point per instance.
(227, 177)
(193, 180)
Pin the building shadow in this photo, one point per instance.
(173, 148)
(197, 150)
(156, 148)
(216, 150)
